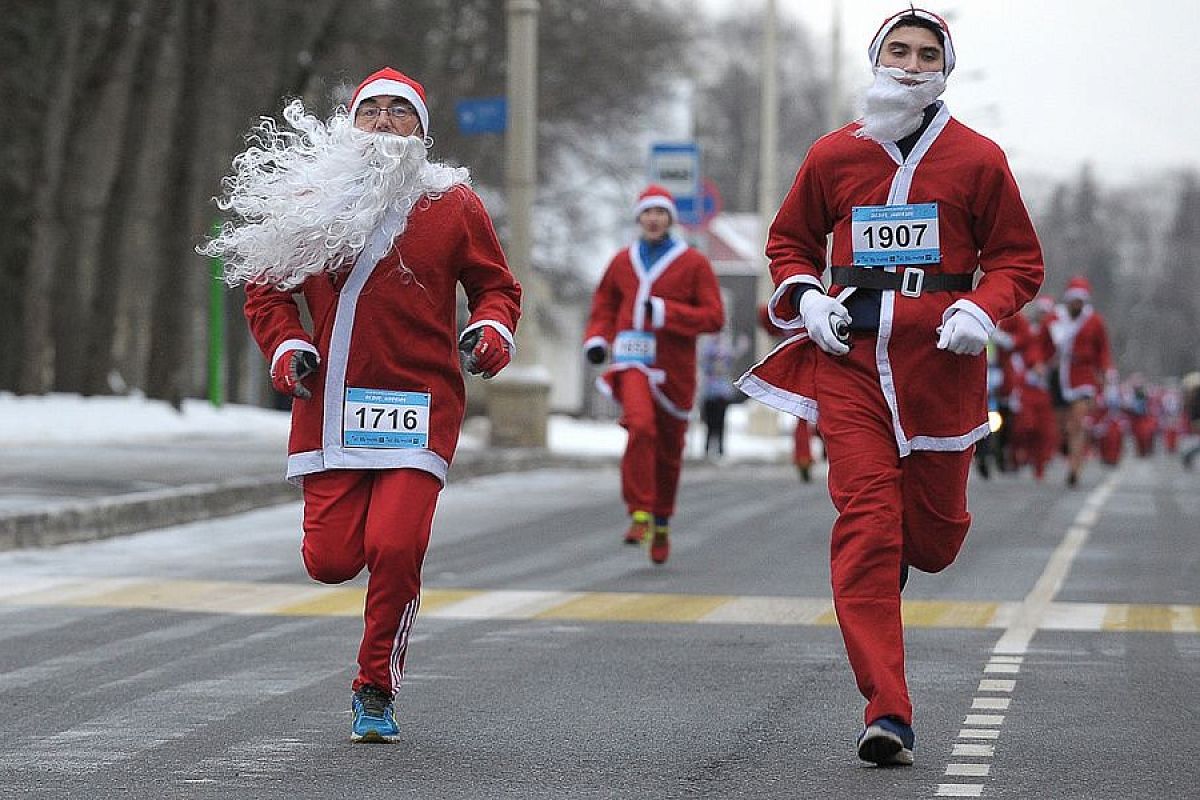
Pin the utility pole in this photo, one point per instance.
(518, 398)
(764, 421)
(833, 116)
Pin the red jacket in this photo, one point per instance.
(938, 399)
(686, 301)
(389, 325)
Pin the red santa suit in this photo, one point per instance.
(1034, 433)
(898, 415)
(374, 442)
(1078, 347)
(656, 391)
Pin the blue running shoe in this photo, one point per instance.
(887, 742)
(374, 717)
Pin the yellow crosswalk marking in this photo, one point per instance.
(298, 599)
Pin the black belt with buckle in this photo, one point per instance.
(910, 282)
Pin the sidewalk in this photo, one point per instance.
(76, 469)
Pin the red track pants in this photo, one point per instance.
(379, 519)
(654, 451)
(889, 509)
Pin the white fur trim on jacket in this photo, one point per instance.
(784, 290)
(658, 312)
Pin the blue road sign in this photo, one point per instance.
(481, 115)
(676, 167)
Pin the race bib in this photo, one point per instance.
(385, 418)
(886, 235)
(634, 347)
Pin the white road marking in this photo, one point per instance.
(982, 750)
(968, 770)
(1023, 622)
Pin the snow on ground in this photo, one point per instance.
(72, 419)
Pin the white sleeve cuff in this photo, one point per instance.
(977, 313)
(595, 341)
(503, 330)
(784, 290)
(658, 312)
(291, 344)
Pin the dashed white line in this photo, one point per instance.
(979, 733)
(994, 703)
(1008, 655)
(982, 750)
(968, 770)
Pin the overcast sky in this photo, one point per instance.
(1054, 82)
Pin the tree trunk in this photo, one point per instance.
(167, 371)
(146, 43)
(37, 371)
(90, 178)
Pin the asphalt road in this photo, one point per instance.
(1059, 658)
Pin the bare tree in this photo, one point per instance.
(37, 370)
(175, 295)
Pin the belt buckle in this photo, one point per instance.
(912, 281)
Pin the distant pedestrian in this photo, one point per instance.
(931, 246)
(352, 216)
(717, 355)
(654, 299)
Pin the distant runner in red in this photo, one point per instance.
(1076, 342)
(931, 247)
(656, 297)
(352, 216)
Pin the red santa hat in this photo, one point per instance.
(392, 82)
(1078, 288)
(655, 196)
(920, 13)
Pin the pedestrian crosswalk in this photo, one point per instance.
(310, 600)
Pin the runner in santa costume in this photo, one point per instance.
(891, 356)
(1076, 342)
(654, 299)
(1034, 431)
(353, 217)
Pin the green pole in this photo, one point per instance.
(216, 327)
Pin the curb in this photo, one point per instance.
(120, 515)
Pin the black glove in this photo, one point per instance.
(308, 364)
(468, 341)
(596, 354)
(293, 367)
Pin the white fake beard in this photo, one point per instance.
(893, 110)
(308, 198)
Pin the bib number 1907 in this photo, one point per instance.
(895, 236)
(901, 234)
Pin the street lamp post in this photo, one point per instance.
(764, 421)
(518, 398)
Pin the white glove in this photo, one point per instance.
(962, 334)
(819, 312)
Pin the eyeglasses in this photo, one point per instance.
(397, 113)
